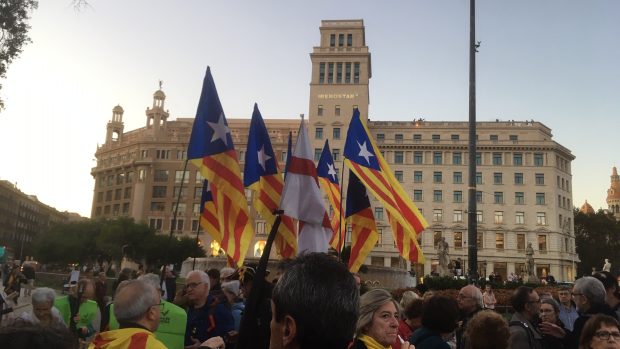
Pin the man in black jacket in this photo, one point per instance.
(470, 302)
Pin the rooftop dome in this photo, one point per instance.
(118, 109)
(586, 208)
(159, 94)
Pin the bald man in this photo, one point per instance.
(470, 302)
(137, 308)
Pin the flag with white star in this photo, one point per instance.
(208, 213)
(364, 159)
(260, 174)
(328, 180)
(359, 214)
(212, 151)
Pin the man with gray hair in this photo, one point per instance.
(137, 307)
(470, 302)
(589, 297)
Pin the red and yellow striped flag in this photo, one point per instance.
(328, 179)
(359, 214)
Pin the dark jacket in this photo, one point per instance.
(524, 334)
(358, 344)
(213, 319)
(425, 338)
(460, 331)
(573, 338)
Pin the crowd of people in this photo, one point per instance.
(314, 302)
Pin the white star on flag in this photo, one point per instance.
(331, 171)
(364, 152)
(220, 130)
(263, 157)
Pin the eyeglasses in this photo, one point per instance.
(605, 335)
(192, 285)
(160, 304)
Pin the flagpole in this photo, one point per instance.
(173, 224)
(197, 234)
(340, 240)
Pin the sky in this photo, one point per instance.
(554, 61)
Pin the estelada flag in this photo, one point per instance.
(328, 179)
(211, 149)
(364, 234)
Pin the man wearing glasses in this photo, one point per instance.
(470, 302)
(568, 312)
(137, 309)
(523, 333)
(206, 318)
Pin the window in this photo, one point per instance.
(520, 218)
(321, 73)
(499, 217)
(379, 213)
(497, 178)
(398, 138)
(519, 198)
(541, 218)
(437, 215)
(199, 178)
(398, 175)
(117, 194)
(332, 40)
(129, 177)
(120, 178)
(513, 138)
(478, 177)
(517, 159)
(494, 138)
(336, 133)
(435, 137)
(458, 239)
(437, 177)
(347, 72)
(417, 195)
(437, 158)
(349, 40)
(163, 154)
(339, 72)
(457, 177)
(319, 111)
(454, 137)
(182, 191)
(156, 223)
(330, 73)
(498, 197)
(194, 225)
(318, 133)
(521, 242)
(336, 154)
(337, 110)
(158, 206)
(497, 158)
(110, 180)
(100, 196)
(196, 209)
(478, 159)
(125, 208)
(144, 154)
(159, 191)
(417, 157)
(317, 153)
(540, 179)
(142, 174)
(179, 225)
(417, 176)
(479, 217)
(499, 241)
(417, 137)
(479, 197)
(518, 178)
(538, 159)
(161, 176)
(540, 198)
(480, 240)
(340, 39)
(398, 157)
(283, 156)
(458, 196)
(437, 195)
(380, 137)
(356, 73)
(457, 158)
(542, 243)
(181, 176)
(458, 216)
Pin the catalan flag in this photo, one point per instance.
(211, 149)
(362, 156)
(407, 246)
(261, 175)
(328, 179)
(208, 213)
(364, 234)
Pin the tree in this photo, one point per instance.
(596, 237)
(14, 17)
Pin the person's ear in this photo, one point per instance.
(290, 330)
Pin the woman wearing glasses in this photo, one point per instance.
(552, 329)
(600, 332)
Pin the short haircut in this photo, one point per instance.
(592, 325)
(42, 295)
(520, 297)
(201, 274)
(592, 289)
(487, 330)
(414, 309)
(370, 302)
(440, 314)
(213, 273)
(564, 288)
(320, 293)
(408, 297)
(151, 279)
(610, 282)
(552, 302)
(133, 300)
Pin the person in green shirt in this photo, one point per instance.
(87, 317)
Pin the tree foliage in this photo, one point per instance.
(597, 237)
(93, 241)
(14, 26)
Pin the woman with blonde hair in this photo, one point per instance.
(377, 324)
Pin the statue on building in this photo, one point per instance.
(530, 268)
(607, 265)
(444, 258)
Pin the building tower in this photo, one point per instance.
(339, 83)
(156, 117)
(613, 194)
(586, 208)
(115, 126)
